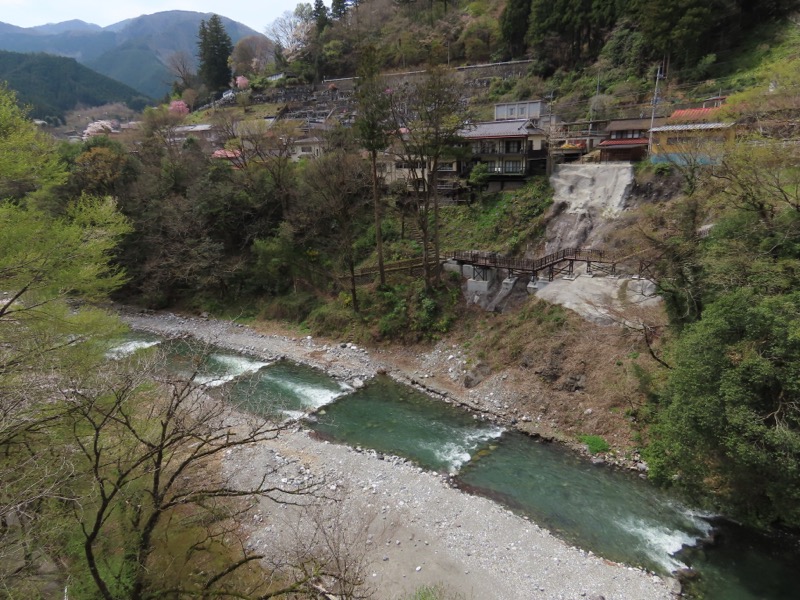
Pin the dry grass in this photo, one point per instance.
(541, 351)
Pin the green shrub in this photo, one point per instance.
(292, 307)
(594, 443)
(663, 169)
(433, 592)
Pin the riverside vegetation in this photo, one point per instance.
(91, 483)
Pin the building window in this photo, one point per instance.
(513, 167)
(513, 146)
(409, 165)
(446, 166)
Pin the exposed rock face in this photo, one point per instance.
(586, 201)
(477, 374)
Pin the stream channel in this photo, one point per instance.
(615, 514)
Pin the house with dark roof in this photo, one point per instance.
(511, 149)
(627, 139)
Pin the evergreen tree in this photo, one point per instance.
(321, 16)
(215, 47)
(514, 25)
(338, 9)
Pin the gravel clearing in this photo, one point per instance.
(409, 526)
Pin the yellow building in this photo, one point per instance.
(690, 136)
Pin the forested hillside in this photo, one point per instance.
(687, 36)
(53, 85)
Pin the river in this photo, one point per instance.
(614, 514)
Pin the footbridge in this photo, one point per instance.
(562, 261)
(483, 263)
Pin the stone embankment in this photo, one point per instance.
(409, 527)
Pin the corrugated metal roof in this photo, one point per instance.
(692, 127)
(633, 124)
(624, 143)
(693, 114)
(226, 154)
(498, 129)
(194, 128)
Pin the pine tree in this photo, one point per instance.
(514, 25)
(215, 47)
(338, 9)
(321, 16)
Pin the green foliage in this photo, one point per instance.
(214, 49)
(514, 25)
(479, 176)
(567, 31)
(28, 158)
(727, 423)
(625, 46)
(407, 311)
(52, 270)
(503, 222)
(662, 169)
(433, 592)
(731, 421)
(294, 308)
(332, 318)
(595, 443)
(70, 257)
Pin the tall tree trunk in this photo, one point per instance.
(376, 202)
(435, 192)
(422, 219)
(352, 268)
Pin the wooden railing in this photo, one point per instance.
(492, 259)
(398, 265)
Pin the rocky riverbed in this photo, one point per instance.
(408, 527)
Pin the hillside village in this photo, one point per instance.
(437, 301)
(524, 139)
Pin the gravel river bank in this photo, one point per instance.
(409, 525)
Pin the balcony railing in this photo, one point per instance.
(507, 170)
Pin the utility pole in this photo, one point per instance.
(653, 114)
(549, 136)
(591, 104)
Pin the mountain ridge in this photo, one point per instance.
(52, 85)
(107, 49)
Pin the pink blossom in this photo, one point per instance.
(179, 107)
(242, 82)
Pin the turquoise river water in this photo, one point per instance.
(615, 514)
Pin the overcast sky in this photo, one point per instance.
(28, 13)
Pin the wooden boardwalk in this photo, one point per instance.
(561, 261)
(548, 266)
